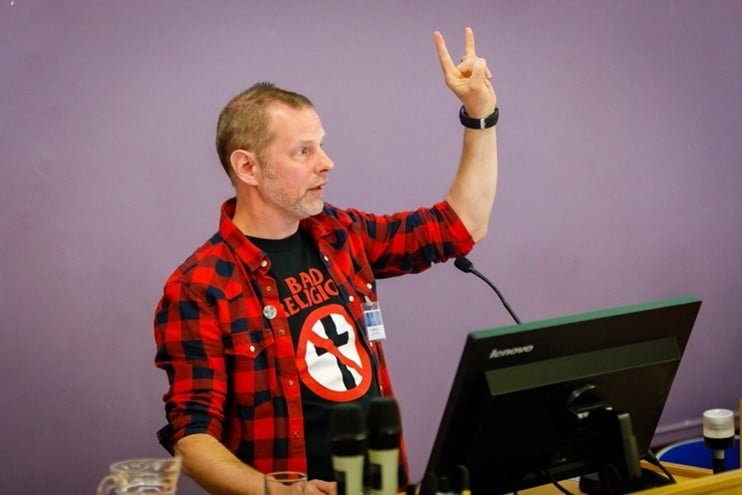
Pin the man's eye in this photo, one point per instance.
(304, 151)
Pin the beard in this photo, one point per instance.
(302, 205)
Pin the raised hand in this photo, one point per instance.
(470, 79)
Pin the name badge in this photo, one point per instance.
(374, 323)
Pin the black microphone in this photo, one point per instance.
(384, 434)
(718, 435)
(466, 266)
(348, 442)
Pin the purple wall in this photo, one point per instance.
(620, 176)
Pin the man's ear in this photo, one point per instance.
(244, 166)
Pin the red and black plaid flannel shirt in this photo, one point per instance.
(232, 369)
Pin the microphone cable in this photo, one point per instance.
(466, 266)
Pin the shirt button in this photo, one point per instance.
(351, 298)
(291, 383)
(370, 286)
(264, 263)
(270, 312)
(268, 288)
(252, 348)
(281, 331)
(326, 258)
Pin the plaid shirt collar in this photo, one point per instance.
(316, 226)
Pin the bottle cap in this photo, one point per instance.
(718, 423)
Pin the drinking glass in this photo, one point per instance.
(155, 476)
(285, 483)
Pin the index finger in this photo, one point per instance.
(443, 56)
(469, 42)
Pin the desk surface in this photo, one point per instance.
(690, 481)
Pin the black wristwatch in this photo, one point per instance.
(484, 123)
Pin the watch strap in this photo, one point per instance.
(483, 123)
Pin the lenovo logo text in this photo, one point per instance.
(498, 353)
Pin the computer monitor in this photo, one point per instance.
(560, 398)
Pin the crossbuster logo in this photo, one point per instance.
(331, 359)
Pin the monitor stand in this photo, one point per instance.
(623, 473)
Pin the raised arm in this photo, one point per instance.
(472, 191)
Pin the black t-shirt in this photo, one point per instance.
(332, 355)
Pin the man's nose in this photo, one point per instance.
(326, 162)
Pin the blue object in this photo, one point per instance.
(694, 453)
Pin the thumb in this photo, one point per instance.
(322, 487)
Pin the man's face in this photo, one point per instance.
(292, 179)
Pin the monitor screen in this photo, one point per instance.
(549, 400)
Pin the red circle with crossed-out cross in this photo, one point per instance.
(332, 361)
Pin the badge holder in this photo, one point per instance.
(374, 323)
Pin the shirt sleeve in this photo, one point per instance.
(411, 241)
(190, 350)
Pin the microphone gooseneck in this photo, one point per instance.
(465, 265)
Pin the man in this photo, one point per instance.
(264, 328)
